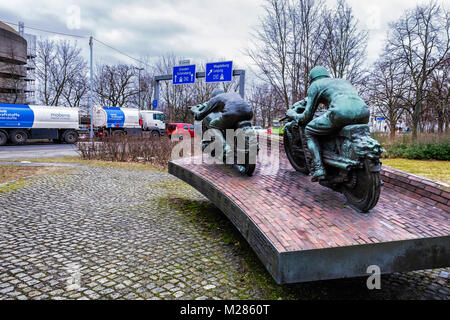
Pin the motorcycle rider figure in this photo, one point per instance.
(223, 111)
(345, 107)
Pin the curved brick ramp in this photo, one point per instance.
(302, 231)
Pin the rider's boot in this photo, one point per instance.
(317, 165)
(319, 172)
(228, 151)
(240, 168)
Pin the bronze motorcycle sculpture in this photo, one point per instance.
(351, 159)
(228, 111)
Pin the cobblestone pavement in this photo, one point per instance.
(92, 232)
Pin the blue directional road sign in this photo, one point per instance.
(183, 74)
(219, 71)
(155, 104)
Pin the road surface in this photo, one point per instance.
(37, 150)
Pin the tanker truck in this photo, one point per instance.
(127, 121)
(20, 122)
(113, 121)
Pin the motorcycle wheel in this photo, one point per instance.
(297, 157)
(364, 191)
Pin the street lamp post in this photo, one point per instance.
(139, 79)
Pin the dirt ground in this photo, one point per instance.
(10, 173)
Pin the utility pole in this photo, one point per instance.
(91, 99)
(139, 79)
(21, 28)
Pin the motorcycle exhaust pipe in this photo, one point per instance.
(346, 164)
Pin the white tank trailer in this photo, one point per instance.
(19, 122)
(130, 121)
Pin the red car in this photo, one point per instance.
(180, 129)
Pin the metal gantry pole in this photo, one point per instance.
(156, 96)
(242, 84)
(91, 98)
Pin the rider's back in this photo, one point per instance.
(343, 101)
(232, 103)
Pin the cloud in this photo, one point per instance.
(199, 30)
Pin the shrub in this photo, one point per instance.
(436, 151)
(153, 150)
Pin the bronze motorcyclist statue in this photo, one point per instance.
(345, 107)
(224, 111)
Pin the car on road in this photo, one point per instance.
(260, 129)
(180, 130)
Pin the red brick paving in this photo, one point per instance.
(296, 214)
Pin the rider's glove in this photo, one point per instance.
(297, 104)
(300, 118)
(291, 113)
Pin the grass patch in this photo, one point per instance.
(13, 186)
(12, 178)
(99, 163)
(10, 172)
(431, 169)
(214, 223)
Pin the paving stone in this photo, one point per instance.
(209, 287)
(157, 290)
(130, 246)
(6, 290)
(130, 296)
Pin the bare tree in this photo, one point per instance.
(296, 35)
(68, 64)
(306, 44)
(43, 62)
(439, 95)
(270, 51)
(114, 85)
(345, 44)
(61, 73)
(386, 88)
(420, 41)
(75, 92)
(266, 104)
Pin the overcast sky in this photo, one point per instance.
(200, 30)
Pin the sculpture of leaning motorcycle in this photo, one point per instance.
(335, 146)
(228, 111)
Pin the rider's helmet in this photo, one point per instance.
(317, 73)
(216, 92)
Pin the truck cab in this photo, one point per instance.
(153, 121)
